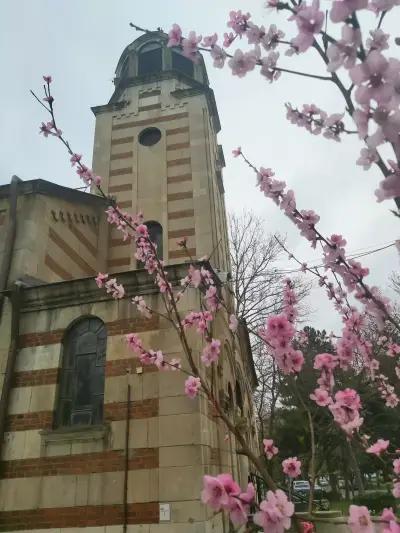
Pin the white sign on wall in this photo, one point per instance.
(165, 512)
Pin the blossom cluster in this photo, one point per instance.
(375, 77)
(223, 493)
(279, 333)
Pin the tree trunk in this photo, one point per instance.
(356, 468)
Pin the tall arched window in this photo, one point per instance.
(81, 391)
(156, 235)
(239, 397)
(150, 59)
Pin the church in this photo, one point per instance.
(90, 440)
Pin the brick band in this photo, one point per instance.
(118, 327)
(79, 516)
(49, 376)
(112, 412)
(83, 463)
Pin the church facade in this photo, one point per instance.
(91, 440)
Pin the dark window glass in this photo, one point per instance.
(149, 136)
(81, 390)
(239, 397)
(182, 63)
(150, 61)
(156, 235)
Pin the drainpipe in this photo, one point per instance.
(12, 355)
(10, 240)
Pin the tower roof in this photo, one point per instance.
(148, 58)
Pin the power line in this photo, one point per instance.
(351, 256)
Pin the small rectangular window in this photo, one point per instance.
(183, 64)
(150, 61)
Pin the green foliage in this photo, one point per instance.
(376, 501)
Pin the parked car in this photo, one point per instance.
(320, 500)
(301, 486)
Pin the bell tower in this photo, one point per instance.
(157, 151)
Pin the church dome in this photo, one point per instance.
(148, 57)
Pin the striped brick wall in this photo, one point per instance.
(79, 516)
(71, 249)
(180, 192)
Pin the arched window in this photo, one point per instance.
(182, 63)
(156, 235)
(81, 391)
(239, 397)
(150, 59)
(230, 396)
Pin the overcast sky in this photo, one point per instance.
(79, 43)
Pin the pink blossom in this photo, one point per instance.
(367, 157)
(341, 9)
(211, 299)
(278, 326)
(214, 494)
(116, 290)
(142, 231)
(75, 158)
(321, 397)
(291, 467)
(190, 45)
(396, 489)
(46, 129)
(174, 35)
(325, 361)
(372, 78)
(390, 186)
(308, 527)
(378, 447)
(393, 349)
(388, 515)
(344, 51)
(345, 410)
(238, 512)
(396, 467)
(228, 39)
(242, 62)
(383, 5)
(378, 40)
(48, 99)
(192, 386)
(233, 323)
(275, 512)
(272, 37)
(100, 279)
(211, 352)
(237, 151)
(210, 40)
(141, 306)
(219, 56)
(48, 79)
(134, 342)
(269, 448)
(359, 520)
(194, 277)
(254, 33)
(268, 66)
(309, 20)
(175, 364)
(272, 4)
(394, 527)
(238, 21)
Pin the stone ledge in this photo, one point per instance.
(78, 433)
